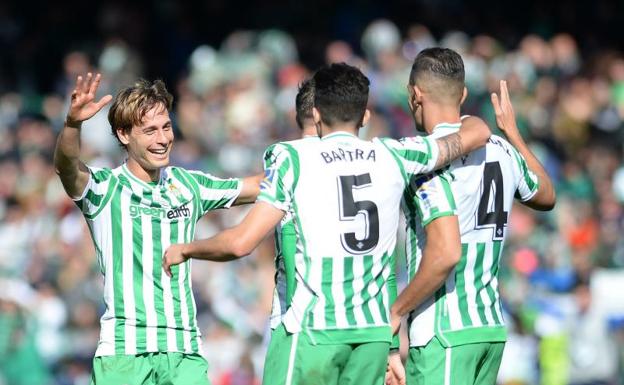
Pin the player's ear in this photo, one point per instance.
(316, 115)
(123, 136)
(366, 117)
(418, 95)
(464, 96)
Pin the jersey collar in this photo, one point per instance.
(338, 134)
(443, 129)
(133, 178)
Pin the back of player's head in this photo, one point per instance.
(132, 103)
(439, 72)
(304, 102)
(340, 94)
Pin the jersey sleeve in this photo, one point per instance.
(433, 196)
(528, 183)
(279, 177)
(415, 155)
(97, 192)
(215, 193)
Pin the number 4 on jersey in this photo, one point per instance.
(491, 212)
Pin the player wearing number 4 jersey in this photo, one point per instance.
(343, 195)
(456, 328)
(149, 333)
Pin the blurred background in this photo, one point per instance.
(234, 68)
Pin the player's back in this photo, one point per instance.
(344, 195)
(484, 184)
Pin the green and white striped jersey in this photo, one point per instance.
(132, 223)
(343, 196)
(466, 309)
(285, 250)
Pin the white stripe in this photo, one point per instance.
(447, 367)
(469, 287)
(487, 275)
(291, 359)
(101, 228)
(128, 275)
(338, 292)
(316, 279)
(167, 294)
(497, 306)
(452, 302)
(384, 290)
(373, 291)
(151, 319)
(358, 286)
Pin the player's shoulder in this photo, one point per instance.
(500, 147)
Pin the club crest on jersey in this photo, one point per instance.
(173, 189)
(266, 183)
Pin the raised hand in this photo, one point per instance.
(174, 255)
(503, 109)
(83, 105)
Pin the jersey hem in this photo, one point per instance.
(351, 336)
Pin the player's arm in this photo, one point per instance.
(73, 173)
(250, 190)
(545, 197)
(440, 255)
(230, 244)
(474, 133)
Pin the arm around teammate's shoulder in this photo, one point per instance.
(474, 133)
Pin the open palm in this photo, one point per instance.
(83, 105)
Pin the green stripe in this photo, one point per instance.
(93, 198)
(117, 271)
(137, 255)
(380, 282)
(189, 226)
(393, 152)
(347, 287)
(446, 185)
(460, 286)
(175, 290)
(478, 284)
(525, 171)
(496, 251)
(326, 287)
(109, 193)
(213, 184)
(367, 260)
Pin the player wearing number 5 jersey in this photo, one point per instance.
(343, 195)
(457, 331)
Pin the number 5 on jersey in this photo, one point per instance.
(350, 209)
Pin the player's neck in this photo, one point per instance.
(439, 113)
(348, 127)
(308, 131)
(138, 171)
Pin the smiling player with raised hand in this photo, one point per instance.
(149, 331)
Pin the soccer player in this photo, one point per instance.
(456, 327)
(149, 332)
(343, 194)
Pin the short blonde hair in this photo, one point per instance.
(132, 103)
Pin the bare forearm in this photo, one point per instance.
(220, 248)
(545, 197)
(67, 160)
(428, 279)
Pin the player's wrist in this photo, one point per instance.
(73, 123)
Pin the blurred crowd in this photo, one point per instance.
(562, 272)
